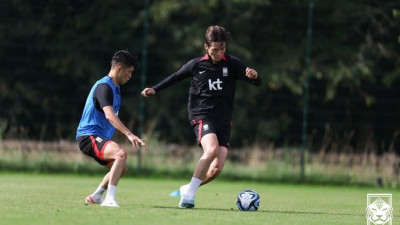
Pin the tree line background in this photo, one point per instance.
(52, 51)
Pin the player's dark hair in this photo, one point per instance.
(216, 33)
(125, 58)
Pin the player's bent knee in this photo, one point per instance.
(209, 156)
(121, 154)
(211, 153)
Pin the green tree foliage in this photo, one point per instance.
(54, 50)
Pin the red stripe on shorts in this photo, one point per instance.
(200, 130)
(224, 146)
(99, 153)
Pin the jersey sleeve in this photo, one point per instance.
(184, 72)
(103, 96)
(240, 69)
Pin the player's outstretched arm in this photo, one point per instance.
(148, 91)
(116, 122)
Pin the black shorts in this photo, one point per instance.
(94, 146)
(209, 126)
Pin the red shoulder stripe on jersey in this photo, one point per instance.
(224, 58)
(206, 57)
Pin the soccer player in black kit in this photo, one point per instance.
(211, 96)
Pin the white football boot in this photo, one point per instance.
(185, 203)
(109, 202)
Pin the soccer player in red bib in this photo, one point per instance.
(211, 97)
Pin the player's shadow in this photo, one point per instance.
(265, 211)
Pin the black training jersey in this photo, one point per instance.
(212, 89)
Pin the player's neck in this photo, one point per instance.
(112, 76)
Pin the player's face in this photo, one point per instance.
(125, 74)
(216, 50)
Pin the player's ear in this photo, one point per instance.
(118, 68)
(206, 46)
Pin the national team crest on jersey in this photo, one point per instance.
(225, 71)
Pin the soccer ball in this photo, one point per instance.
(248, 200)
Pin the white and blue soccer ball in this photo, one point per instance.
(248, 200)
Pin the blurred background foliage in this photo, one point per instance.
(52, 51)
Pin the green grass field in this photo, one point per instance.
(58, 199)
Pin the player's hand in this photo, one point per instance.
(136, 141)
(251, 73)
(148, 91)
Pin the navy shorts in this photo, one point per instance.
(94, 146)
(208, 126)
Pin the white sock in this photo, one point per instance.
(99, 191)
(111, 191)
(194, 184)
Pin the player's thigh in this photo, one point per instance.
(210, 142)
(113, 151)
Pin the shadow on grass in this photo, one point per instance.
(265, 211)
